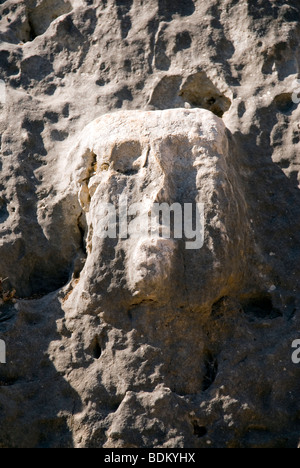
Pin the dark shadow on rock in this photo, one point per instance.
(260, 308)
(34, 263)
(36, 402)
(123, 12)
(273, 203)
(41, 17)
(183, 41)
(168, 8)
(35, 68)
(3, 210)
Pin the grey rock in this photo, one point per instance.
(115, 343)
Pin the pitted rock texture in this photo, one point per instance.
(163, 157)
(115, 343)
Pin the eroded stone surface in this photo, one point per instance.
(88, 363)
(164, 157)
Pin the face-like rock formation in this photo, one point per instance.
(132, 164)
(125, 340)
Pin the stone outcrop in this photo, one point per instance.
(139, 341)
(161, 158)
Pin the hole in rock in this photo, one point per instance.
(284, 102)
(124, 94)
(45, 279)
(96, 348)
(125, 155)
(168, 8)
(173, 91)
(8, 382)
(199, 91)
(261, 308)
(284, 163)
(183, 41)
(8, 62)
(3, 211)
(199, 431)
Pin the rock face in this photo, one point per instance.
(172, 159)
(139, 340)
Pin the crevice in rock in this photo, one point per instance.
(9, 382)
(260, 308)
(123, 12)
(40, 18)
(211, 371)
(82, 227)
(4, 214)
(31, 32)
(96, 348)
(140, 303)
(199, 431)
(91, 168)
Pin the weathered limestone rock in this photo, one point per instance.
(173, 157)
(140, 341)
